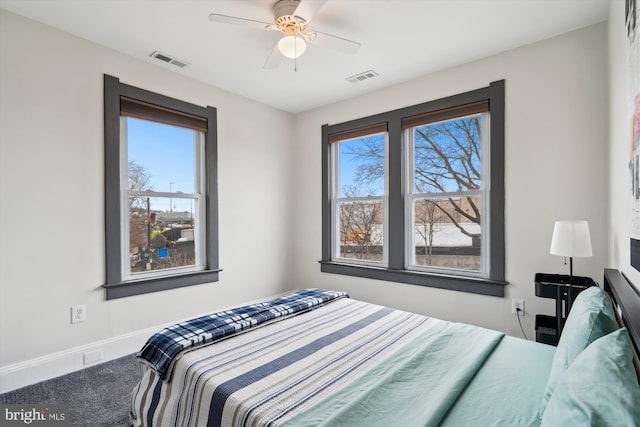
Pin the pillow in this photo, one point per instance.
(599, 388)
(590, 318)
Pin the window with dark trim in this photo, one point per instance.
(416, 195)
(158, 235)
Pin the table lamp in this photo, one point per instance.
(571, 239)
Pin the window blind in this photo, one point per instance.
(445, 114)
(357, 133)
(130, 107)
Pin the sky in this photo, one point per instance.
(448, 135)
(167, 153)
(348, 164)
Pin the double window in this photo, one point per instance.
(161, 203)
(416, 195)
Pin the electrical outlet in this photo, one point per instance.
(517, 304)
(78, 313)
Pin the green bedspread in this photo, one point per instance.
(503, 394)
(416, 387)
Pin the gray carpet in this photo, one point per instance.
(96, 396)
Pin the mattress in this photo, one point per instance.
(348, 363)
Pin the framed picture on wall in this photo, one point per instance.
(633, 103)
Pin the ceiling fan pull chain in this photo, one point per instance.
(295, 50)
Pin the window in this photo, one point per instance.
(416, 195)
(359, 205)
(446, 187)
(163, 227)
(160, 192)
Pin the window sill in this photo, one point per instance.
(138, 287)
(455, 283)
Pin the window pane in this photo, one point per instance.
(447, 156)
(161, 233)
(361, 230)
(447, 234)
(361, 167)
(161, 157)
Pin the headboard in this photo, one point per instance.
(627, 303)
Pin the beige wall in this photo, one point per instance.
(556, 124)
(52, 221)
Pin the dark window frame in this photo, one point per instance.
(395, 271)
(115, 287)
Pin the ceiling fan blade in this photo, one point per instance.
(308, 8)
(336, 43)
(226, 19)
(274, 59)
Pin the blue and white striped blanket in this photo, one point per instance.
(162, 348)
(277, 373)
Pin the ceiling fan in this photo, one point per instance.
(291, 18)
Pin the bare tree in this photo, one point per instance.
(447, 159)
(139, 217)
(138, 179)
(370, 154)
(360, 223)
(428, 217)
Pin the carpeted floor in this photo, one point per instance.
(96, 396)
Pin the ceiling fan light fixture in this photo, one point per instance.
(292, 46)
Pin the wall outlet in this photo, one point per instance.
(92, 356)
(78, 313)
(517, 304)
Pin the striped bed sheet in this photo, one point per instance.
(161, 349)
(276, 372)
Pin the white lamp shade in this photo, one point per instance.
(292, 46)
(571, 239)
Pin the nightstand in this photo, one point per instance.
(563, 289)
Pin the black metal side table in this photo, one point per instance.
(563, 289)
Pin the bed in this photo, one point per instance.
(319, 358)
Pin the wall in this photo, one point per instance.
(51, 186)
(619, 145)
(556, 132)
(51, 173)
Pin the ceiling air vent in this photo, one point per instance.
(362, 76)
(169, 59)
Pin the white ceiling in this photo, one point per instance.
(401, 39)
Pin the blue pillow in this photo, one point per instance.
(590, 318)
(600, 388)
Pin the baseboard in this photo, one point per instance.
(53, 365)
